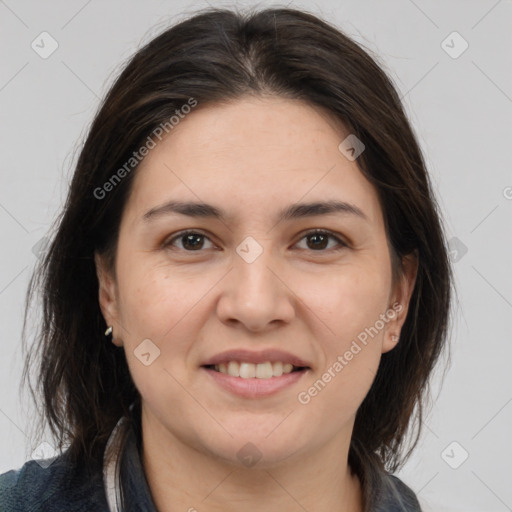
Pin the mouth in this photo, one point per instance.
(249, 374)
(247, 370)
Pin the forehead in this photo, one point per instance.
(251, 153)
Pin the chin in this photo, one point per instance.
(259, 447)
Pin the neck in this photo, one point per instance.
(182, 478)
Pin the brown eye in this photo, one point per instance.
(319, 240)
(190, 241)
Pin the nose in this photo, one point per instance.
(256, 295)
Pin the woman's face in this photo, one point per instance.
(252, 285)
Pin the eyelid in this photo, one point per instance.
(315, 231)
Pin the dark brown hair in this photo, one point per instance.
(213, 56)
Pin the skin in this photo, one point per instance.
(251, 157)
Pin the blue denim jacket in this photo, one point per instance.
(63, 486)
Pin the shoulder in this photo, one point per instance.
(395, 496)
(51, 485)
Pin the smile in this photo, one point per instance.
(247, 370)
(246, 380)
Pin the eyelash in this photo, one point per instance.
(330, 234)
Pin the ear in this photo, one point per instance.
(399, 301)
(107, 297)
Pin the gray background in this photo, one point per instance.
(461, 109)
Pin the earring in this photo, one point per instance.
(394, 338)
(108, 331)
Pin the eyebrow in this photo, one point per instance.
(294, 211)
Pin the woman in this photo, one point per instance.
(251, 226)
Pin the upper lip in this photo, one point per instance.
(249, 356)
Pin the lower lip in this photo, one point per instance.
(254, 388)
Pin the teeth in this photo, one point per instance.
(263, 371)
(287, 367)
(249, 370)
(233, 369)
(277, 369)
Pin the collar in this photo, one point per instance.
(126, 487)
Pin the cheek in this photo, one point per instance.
(347, 300)
(351, 347)
(338, 394)
(150, 298)
(147, 307)
(349, 304)
(166, 307)
(158, 308)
